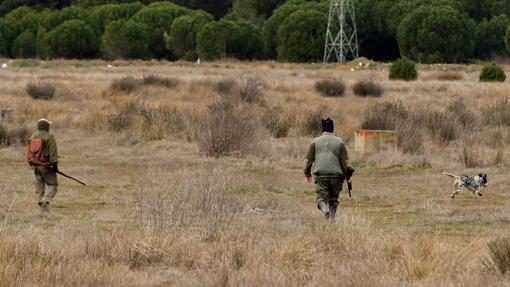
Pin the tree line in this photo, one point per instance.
(428, 31)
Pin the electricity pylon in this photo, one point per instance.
(341, 36)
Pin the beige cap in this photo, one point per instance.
(43, 124)
(44, 120)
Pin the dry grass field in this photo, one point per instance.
(158, 211)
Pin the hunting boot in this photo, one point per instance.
(43, 206)
(332, 211)
(324, 207)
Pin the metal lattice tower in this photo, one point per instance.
(341, 37)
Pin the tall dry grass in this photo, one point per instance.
(157, 211)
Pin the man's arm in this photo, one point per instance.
(344, 160)
(310, 158)
(52, 149)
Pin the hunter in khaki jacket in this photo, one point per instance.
(327, 161)
(46, 175)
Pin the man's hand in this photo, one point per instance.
(54, 167)
(349, 180)
(308, 178)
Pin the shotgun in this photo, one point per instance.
(70, 177)
(348, 175)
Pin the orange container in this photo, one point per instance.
(370, 142)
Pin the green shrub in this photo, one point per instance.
(181, 40)
(24, 45)
(239, 39)
(492, 73)
(403, 69)
(489, 34)
(72, 39)
(159, 19)
(126, 40)
(281, 14)
(40, 90)
(295, 43)
(6, 37)
(365, 88)
(422, 36)
(330, 87)
(499, 255)
(155, 80)
(104, 14)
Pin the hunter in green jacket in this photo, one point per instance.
(46, 175)
(327, 161)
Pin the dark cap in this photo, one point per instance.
(328, 125)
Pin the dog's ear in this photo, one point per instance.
(480, 175)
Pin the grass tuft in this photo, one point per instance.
(155, 80)
(499, 255)
(127, 84)
(41, 90)
(368, 87)
(330, 87)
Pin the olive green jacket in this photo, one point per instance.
(327, 157)
(50, 145)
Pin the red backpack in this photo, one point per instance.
(35, 153)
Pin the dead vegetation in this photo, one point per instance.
(200, 182)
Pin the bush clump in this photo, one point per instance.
(499, 255)
(155, 80)
(225, 86)
(275, 122)
(125, 118)
(251, 90)
(384, 116)
(41, 90)
(394, 116)
(368, 87)
(498, 115)
(447, 76)
(312, 120)
(127, 84)
(330, 87)
(492, 73)
(403, 69)
(16, 136)
(228, 128)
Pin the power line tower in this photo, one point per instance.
(341, 37)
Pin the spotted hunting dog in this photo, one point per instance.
(473, 184)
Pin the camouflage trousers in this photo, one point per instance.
(45, 176)
(328, 189)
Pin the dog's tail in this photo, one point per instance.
(451, 175)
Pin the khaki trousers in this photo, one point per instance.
(45, 176)
(328, 189)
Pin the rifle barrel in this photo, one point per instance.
(70, 177)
